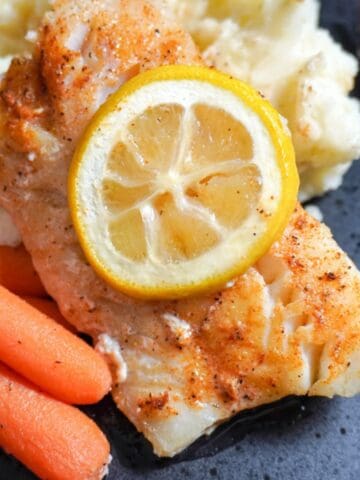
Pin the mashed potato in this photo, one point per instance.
(17, 19)
(275, 45)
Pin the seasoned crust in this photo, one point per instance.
(290, 325)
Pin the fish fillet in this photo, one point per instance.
(289, 326)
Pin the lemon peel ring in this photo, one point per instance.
(184, 178)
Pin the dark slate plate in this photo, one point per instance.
(296, 439)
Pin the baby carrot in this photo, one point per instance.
(17, 272)
(48, 355)
(54, 440)
(49, 308)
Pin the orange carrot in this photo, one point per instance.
(49, 308)
(48, 355)
(17, 272)
(54, 440)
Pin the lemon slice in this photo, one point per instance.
(183, 180)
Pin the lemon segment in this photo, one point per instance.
(183, 180)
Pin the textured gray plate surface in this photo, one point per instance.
(296, 439)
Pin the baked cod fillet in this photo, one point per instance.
(289, 326)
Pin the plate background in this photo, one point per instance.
(295, 439)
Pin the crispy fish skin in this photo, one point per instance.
(290, 325)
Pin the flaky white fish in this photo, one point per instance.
(290, 325)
